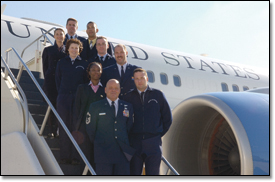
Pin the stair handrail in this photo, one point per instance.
(25, 101)
(43, 34)
(169, 165)
(53, 110)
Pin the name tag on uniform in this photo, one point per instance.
(100, 114)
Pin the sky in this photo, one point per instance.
(232, 31)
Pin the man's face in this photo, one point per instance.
(140, 80)
(112, 90)
(71, 27)
(120, 55)
(102, 46)
(91, 30)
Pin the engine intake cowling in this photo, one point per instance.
(220, 134)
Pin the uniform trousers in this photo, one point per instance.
(52, 120)
(149, 151)
(64, 106)
(121, 168)
(87, 148)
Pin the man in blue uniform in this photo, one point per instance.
(121, 71)
(72, 26)
(108, 124)
(89, 45)
(152, 116)
(102, 55)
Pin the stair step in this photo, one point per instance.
(27, 79)
(53, 143)
(36, 74)
(38, 102)
(68, 169)
(29, 87)
(33, 95)
(46, 131)
(38, 118)
(37, 109)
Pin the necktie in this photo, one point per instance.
(122, 73)
(60, 48)
(71, 37)
(101, 59)
(91, 44)
(113, 108)
(73, 61)
(141, 97)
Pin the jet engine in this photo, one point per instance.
(220, 134)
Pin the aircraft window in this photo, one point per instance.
(177, 80)
(164, 79)
(235, 88)
(245, 88)
(151, 76)
(224, 87)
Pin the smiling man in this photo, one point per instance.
(102, 57)
(89, 45)
(108, 124)
(122, 71)
(72, 26)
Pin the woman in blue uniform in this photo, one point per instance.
(86, 94)
(50, 57)
(70, 72)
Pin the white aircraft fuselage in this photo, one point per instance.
(197, 74)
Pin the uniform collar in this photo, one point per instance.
(147, 89)
(99, 83)
(143, 91)
(110, 102)
(77, 58)
(104, 57)
(124, 66)
(69, 37)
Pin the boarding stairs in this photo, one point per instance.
(27, 85)
(38, 108)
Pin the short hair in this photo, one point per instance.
(140, 70)
(73, 41)
(91, 65)
(115, 80)
(121, 45)
(71, 19)
(59, 29)
(102, 37)
(92, 23)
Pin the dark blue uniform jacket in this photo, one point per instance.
(50, 57)
(109, 60)
(82, 39)
(154, 116)
(88, 53)
(68, 76)
(126, 84)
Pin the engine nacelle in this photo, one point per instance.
(220, 134)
